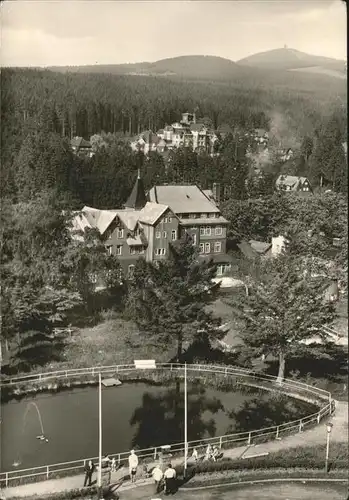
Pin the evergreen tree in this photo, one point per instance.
(285, 305)
(169, 299)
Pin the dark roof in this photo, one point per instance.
(196, 127)
(247, 250)
(223, 258)
(79, 142)
(137, 198)
(149, 137)
(260, 246)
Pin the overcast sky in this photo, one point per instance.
(68, 32)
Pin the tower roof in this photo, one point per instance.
(137, 198)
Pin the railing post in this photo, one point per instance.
(66, 373)
(93, 370)
(226, 372)
(249, 438)
(300, 426)
(119, 459)
(40, 376)
(277, 432)
(6, 479)
(47, 471)
(155, 453)
(171, 367)
(220, 442)
(318, 418)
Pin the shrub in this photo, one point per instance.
(311, 457)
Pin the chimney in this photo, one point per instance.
(216, 191)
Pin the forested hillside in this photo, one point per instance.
(47, 278)
(42, 110)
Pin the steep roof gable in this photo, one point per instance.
(151, 213)
(137, 198)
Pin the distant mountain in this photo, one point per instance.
(190, 67)
(295, 60)
(266, 68)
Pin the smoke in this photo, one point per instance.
(282, 132)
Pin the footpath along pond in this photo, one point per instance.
(135, 414)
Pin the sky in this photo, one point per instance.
(68, 32)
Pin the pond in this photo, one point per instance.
(135, 414)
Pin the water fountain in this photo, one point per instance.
(41, 436)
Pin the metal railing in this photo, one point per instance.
(292, 388)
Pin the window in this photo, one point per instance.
(173, 235)
(160, 251)
(132, 251)
(194, 239)
(203, 215)
(120, 233)
(110, 250)
(217, 247)
(158, 235)
(218, 231)
(131, 271)
(141, 250)
(165, 220)
(212, 215)
(202, 231)
(169, 218)
(207, 247)
(164, 234)
(192, 216)
(119, 250)
(208, 231)
(220, 270)
(202, 248)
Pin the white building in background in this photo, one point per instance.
(277, 245)
(188, 132)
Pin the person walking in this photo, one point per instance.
(170, 480)
(195, 455)
(208, 453)
(157, 476)
(113, 464)
(89, 469)
(133, 465)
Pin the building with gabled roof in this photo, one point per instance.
(292, 183)
(149, 224)
(81, 147)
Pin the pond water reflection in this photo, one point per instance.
(134, 415)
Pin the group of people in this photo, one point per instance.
(211, 453)
(166, 480)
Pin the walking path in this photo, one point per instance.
(314, 436)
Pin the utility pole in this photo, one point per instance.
(329, 429)
(100, 495)
(185, 420)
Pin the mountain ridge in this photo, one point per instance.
(216, 67)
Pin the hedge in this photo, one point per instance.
(309, 457)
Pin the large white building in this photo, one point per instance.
(188, 132)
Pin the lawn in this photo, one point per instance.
(277, 491)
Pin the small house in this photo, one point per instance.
(293, 183)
